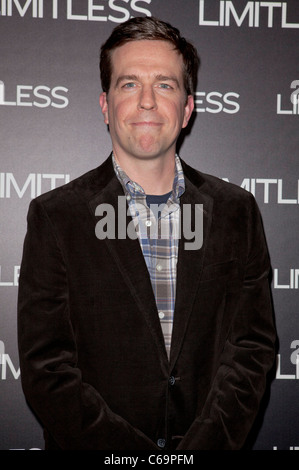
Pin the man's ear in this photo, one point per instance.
(104, 106)
(189, 106)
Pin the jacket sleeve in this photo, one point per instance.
(248, 355)
(70, 410)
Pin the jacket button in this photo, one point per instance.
(171, 380)
(161, 443)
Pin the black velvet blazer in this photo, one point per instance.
(93, 363)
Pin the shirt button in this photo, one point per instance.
(161, 443)
(148, 223)
(128, 197)
(159, 267)
(161, 315)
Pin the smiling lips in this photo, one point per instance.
(146, 124)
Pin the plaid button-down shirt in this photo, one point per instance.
(158, 237)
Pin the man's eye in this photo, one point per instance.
(165, 86)
(129, 85)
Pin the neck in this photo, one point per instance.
(155, 176)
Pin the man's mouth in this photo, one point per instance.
(146, 124)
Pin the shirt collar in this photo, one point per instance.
(134, 190)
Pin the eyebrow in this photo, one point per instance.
(124, 78)
(166, 78)
(159, 77)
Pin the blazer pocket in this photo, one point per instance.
(221, 274)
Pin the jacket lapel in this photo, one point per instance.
(128, 256)
(190, 262)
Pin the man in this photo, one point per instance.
(145, 342)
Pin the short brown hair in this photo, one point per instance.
(149, 28)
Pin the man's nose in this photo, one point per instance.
(147, 98)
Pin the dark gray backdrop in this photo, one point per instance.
(245, 129)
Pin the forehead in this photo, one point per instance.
(147, 56)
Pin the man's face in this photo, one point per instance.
(146, 106)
